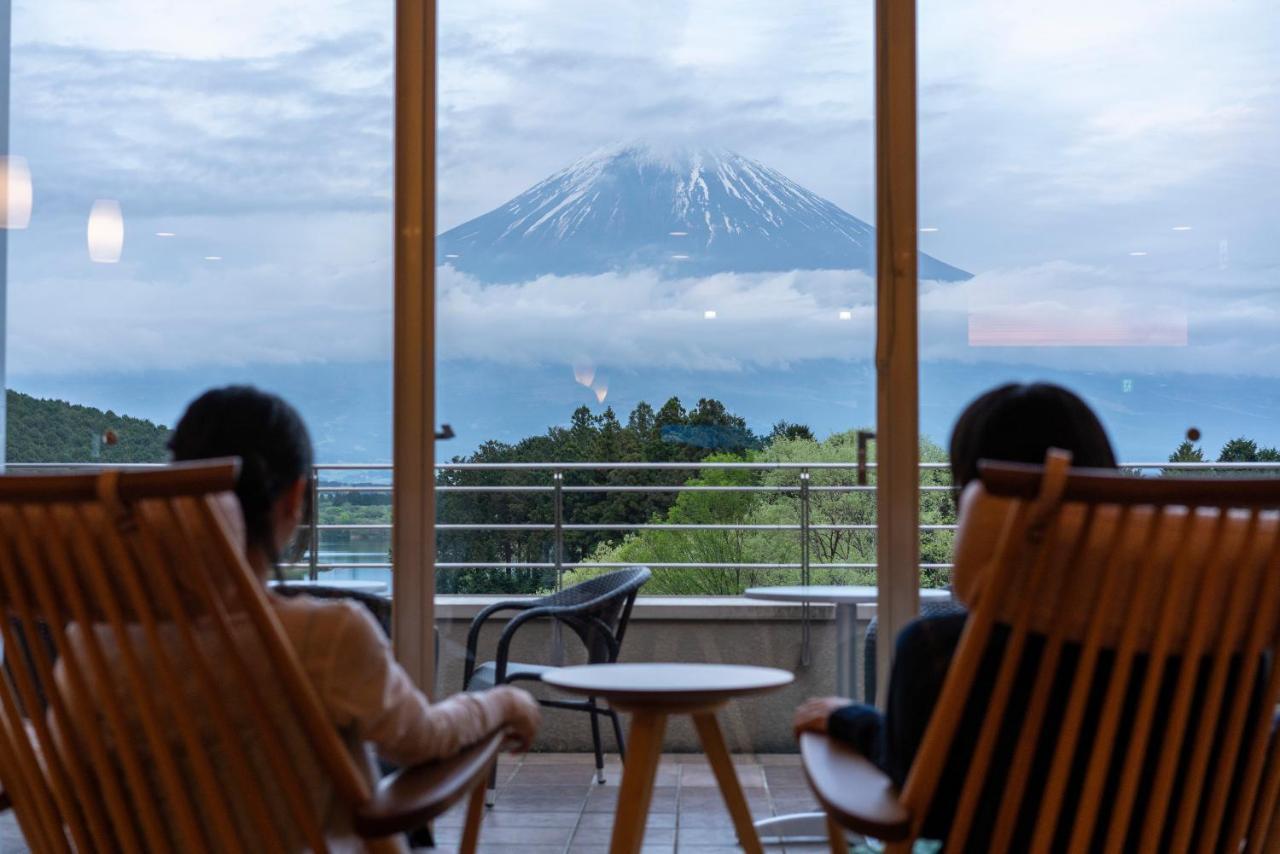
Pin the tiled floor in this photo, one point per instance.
(549, 804)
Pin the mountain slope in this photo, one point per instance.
(683, 211)
(43, 431)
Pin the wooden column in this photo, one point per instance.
(413, 502)
(897, 368)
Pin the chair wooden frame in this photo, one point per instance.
(143, 743)
(1177, 583)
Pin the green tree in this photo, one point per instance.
(1239, 450)
(1187, 453)
(843, 520)
(672, 434)
(55, 431)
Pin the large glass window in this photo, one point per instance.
(1106, 174)
(209, 202)
(655, 251)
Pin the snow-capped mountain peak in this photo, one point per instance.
(685, 210)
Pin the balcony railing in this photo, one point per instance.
(558, 527)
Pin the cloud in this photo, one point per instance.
(640, 319)
(221, 30)
(1056, 315)
(304, 130)
(288, 290)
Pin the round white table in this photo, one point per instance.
(652, 692)
(846, 598)
(357, 585)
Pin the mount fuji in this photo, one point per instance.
(683, 211)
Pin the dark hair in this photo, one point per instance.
(1019, 423)
(265, 432)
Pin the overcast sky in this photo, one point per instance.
(1060, 148)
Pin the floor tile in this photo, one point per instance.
(605, 799)
(600, 836)
(605, 819)
(499, 818)
(586, 760)
(706, 836)
(493, 835)
(749, 776)
(778, 759)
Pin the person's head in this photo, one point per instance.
(1019, 423)
(272, 441)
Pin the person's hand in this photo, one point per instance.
(812, 714)
(521, 719)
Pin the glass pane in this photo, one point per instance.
(656, 320)
(653, 250)
(1106, 175)
(209, 203)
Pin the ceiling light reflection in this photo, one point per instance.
(846, 315)
(929, 229)
(709, 314)
(15, 186)
(105, 232)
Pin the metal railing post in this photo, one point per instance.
(313, 568)
(557, 478)
(805, 627)
(557, 637)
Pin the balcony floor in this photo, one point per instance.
(548, 803)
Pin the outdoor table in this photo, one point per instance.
(651, 693)
(846, 598)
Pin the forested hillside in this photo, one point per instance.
(43, 431)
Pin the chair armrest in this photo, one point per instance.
(854, 792)
(502, 654)
(411, 797)
(473, 632)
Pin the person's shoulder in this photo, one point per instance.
(330, 617)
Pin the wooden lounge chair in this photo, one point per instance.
(1114, 686)
(176, 709)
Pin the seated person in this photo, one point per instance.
(367, 695)
(1012, 423)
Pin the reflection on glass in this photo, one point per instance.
(106, 231)
(15, 188)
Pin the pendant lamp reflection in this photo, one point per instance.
(106, 231)
(584, 373)
(15, 191)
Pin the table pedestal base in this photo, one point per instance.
(644, 748)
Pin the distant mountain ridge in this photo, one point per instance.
(684, 211)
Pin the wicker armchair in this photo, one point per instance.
(597, 611)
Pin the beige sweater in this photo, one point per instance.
(367, 695)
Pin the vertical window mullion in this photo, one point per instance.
(897, 355)
(413, 501)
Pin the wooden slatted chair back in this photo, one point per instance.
(1114, 686)
(174, 709)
